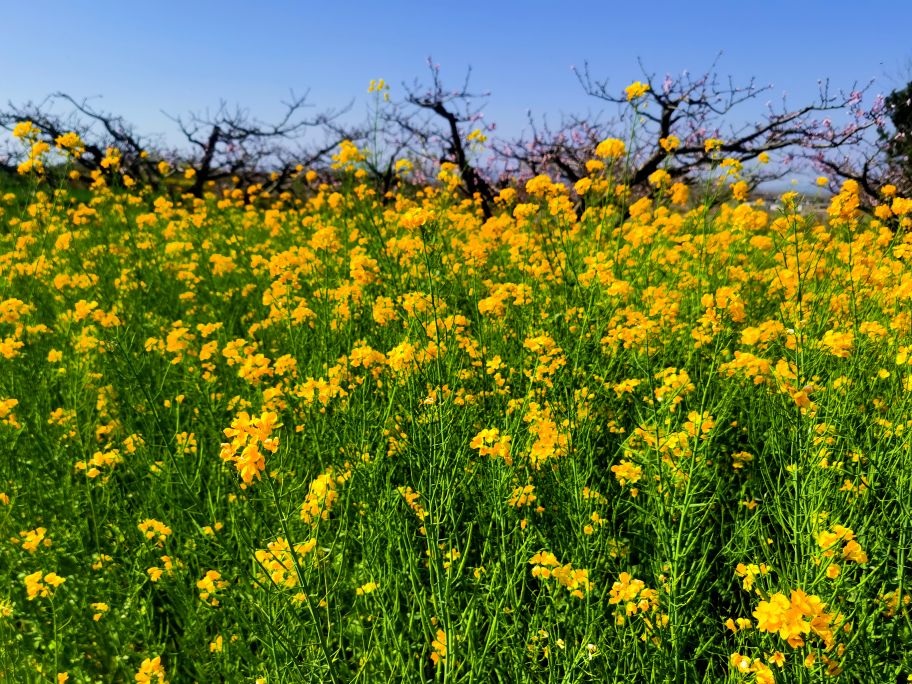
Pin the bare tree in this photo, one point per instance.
(689, 110)
(431, 123)
(222, 144)
(881, 153)
(561, 152)
(230, 141)
(99, 131)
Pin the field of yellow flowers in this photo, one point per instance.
(338, 437)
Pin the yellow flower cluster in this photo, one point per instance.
(545, 566)
(627, 473)
(611, 148)
(750, 572)
(151, 671)
(209, 585)
(795, 617)
(249, 438)
(154, 529)
(633, 598)
(168, 566)
(348, 156)
(42, 584)
(411, 499)
(522, 496)
(439, 647)
(277, 561)
(7, 417)
(762, 672)
(636, 90)
(323, 493)
(32, 539)
(489, 442)
(92, 467)
(840, 540)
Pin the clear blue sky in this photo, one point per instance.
(144, 57)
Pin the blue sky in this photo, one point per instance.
(145, 57)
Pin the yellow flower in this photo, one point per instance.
(901, 206)
(670, 144)
(366, 588)
(611, 148)
(411, 498)
(839, 344)
(522, 496)
(542, 186)
(439, 647)
(680, 193)
(35, 586)
(111, 159)
(659, 178)
(829, 540)
(740, 190)
(636, 90)
(69, 141)
(627, 472)
(582, 186)
(377, 86)
(32, 539)
(211, 583)
(794, 617)
(153, 529)
(415, 218)
(151, 668)
(750, 572)
(489, 442)
(347, 156)
(24, 129)
(101, 609)
(250, 436)
(711, 145)
(54, 579)
(322, 495)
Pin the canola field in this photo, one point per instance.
(332, 436)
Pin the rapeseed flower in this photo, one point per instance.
(636, 90)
